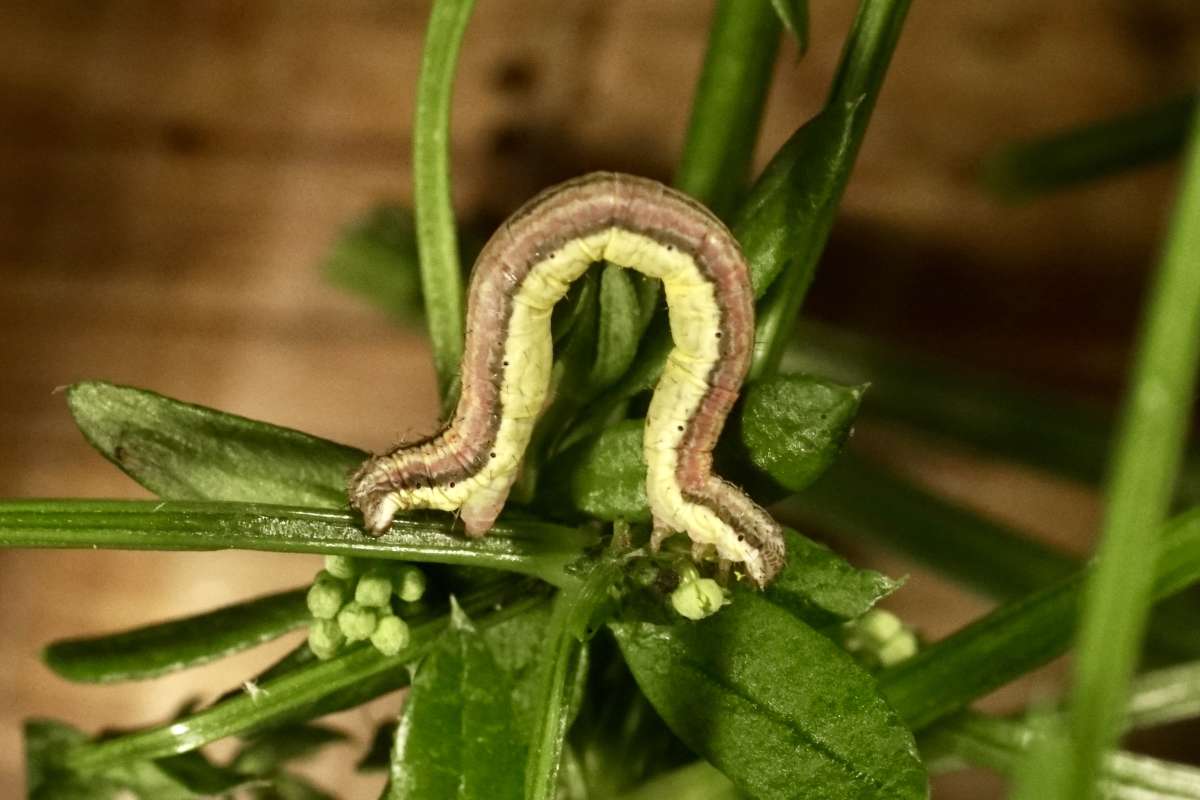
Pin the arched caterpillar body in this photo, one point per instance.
(521, 273)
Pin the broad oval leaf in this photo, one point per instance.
(456, 739)
(821, 587)
(773, 704)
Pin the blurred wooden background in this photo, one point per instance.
(172, 172)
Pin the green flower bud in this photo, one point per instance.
(409, 583)
(878, 626)
(343, 567)
(356, 621)
(697, 599)
(326, 596)
(325, 638)
(374, 588)
(899, 648)
(391, 635)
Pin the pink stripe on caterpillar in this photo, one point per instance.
(524, 269)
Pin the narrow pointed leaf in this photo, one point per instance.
(153, 650)
(1020, 636)
(794, 14)
(182, 451)
(303, 693)
(267, 752)
(1089, 152)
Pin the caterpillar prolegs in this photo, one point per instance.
(525, 269)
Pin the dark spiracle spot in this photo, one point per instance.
(718, 334)
(680, 427)
(493, 455)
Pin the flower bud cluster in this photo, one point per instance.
(354, 600)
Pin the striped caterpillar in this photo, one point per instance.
(521, 273)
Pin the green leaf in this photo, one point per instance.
(456, 738)
(789, 211)
(352, 677)
(618, 332)
(267, 752)
(815, 165)
(773, 704)
(785, 433)
(198, 776)
(570, 626)
(861, 500)
(517, 644)
(794, 15)
(727, 109)
(792, 427)
(532, 548)
(376, 258)
(153, 650)
(1092, 151)
(1020, 636)
(821, 587)
(437, 242)
(182, 451)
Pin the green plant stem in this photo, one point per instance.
(437, 237)
(1164, 696)
(1020, 636)
(1000, 744)
(303, 688)
(1148, 452)
(728, 107)
(532, 548)
(1089, 152)
(859, 78)
(569, 628)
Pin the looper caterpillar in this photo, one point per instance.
(521, 273)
